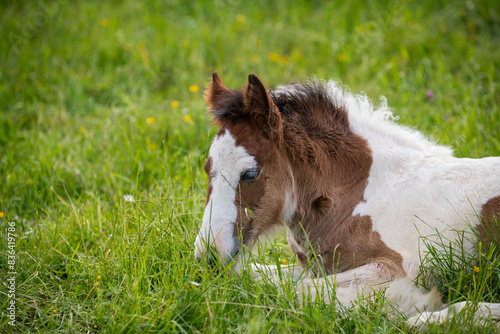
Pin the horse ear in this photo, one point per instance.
(215, 90)
(259, 104)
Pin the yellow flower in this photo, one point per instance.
(98, 277)
(476, 269)
(96, 283)
(193, 88)
(150, 120)
(273, 56)
(342, 57)
(175, 104)
(285, 59)
(283, 261)
(187, 118)
(1, 214)
(55, 311)
(151, 147)
(105, 22)
(240, 18)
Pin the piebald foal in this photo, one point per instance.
(354, 190)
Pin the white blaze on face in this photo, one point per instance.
(217, 230)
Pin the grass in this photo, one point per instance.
(95, 104)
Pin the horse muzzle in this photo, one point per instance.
(221, 247)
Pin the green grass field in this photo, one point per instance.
(99, 100)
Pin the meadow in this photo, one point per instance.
(104, 133)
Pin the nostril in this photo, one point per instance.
(235, 252)
(212, 257)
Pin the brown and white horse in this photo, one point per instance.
(354, 190)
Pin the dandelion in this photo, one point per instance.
(342, 57)
(273, 56)
(96, 283)
(187, 118)
(285, 59)
(175, 104)
(150, 120)
(240, 18)
(283, 261)
(98, 277)
(2, 214)
(105, 22)
(476, 269)
(194, 88)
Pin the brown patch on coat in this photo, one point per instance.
(263, 197)
(322, 204)
(489, 228)
(302, 142)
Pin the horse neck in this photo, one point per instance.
(393, 145)
(328, 191)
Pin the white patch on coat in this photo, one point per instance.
(290, 206)
(416, 187)
(228, 162)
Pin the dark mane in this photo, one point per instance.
(314, 123)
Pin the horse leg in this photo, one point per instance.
(483, 314)
(366, 281)
(275, 273)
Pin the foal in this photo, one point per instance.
(355, 191)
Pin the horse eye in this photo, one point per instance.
(250, 174)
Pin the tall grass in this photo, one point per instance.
(99, 100)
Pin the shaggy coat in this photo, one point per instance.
(355, 191)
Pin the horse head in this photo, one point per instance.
(247, 168)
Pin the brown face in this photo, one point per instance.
(248, 180)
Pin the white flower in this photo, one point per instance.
(128, 198)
